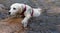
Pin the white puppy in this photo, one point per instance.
(24, 10)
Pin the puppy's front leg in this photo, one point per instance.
(25, 21)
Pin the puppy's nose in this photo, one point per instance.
(9, 13)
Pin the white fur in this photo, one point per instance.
(27, 13)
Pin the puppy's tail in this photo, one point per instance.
(43, 9)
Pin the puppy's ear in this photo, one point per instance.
(22, 7)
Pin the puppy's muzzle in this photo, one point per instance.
(9, 13)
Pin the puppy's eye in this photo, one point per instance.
(14, 8)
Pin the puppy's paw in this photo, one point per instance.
(24, 23)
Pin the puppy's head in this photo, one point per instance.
(15, 8)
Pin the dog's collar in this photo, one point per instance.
(25, 10)
(32, 12)
(22, 13)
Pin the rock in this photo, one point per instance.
(3, 11)
(58, 27)
(53, 11)
(3, 8)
